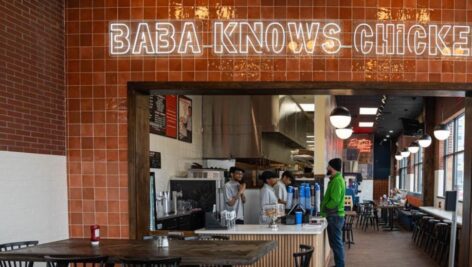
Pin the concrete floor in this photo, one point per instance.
(385, 249)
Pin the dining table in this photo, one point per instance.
(192, 252)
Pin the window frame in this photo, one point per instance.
(454, 154)
(418, 171)
(403, 172)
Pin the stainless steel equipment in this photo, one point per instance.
(206, 173)
(163, 204)
(253, 127)
(198, 190)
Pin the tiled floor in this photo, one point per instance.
(385, 249)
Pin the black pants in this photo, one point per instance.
(239, 221)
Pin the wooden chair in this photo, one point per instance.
(74, 261)
(303, 258)
(156, 262)
(13, 246)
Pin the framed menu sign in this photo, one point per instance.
(163, 115)
(185, 119)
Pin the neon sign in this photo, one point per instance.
(364, 145)
(291, 37)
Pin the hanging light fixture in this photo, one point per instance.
(425, 140)
(405, 153)
(340, 117)
(398, 156)
(441, 132)
(344, 133)
(414, 147)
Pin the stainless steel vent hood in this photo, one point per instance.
(253, 127)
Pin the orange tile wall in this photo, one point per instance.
(96, 83)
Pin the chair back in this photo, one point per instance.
(155, 262)
(13, 246)
(213, 237)
(170, 237)
(303, 258)
(74, 261)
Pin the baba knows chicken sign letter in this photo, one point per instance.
(285, 38)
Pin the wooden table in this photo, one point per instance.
(390, 213)
(193, 252)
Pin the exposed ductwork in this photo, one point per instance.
(253, 127)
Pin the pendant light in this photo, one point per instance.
(441, 132)
(344, 133)
(414, 147)
(340, 117)
(425, 140)
(405, 153)
(398, 156)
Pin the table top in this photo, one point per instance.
(193, 252)
(263, 229)
(446, 215)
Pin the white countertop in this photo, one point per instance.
(447, 215)
(263, 229)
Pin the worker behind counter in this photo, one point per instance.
(280, 188)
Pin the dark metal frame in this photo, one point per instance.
(138, 178)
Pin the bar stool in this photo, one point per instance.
(441, 248)
(428, 236)
(421, 229)
(416, 217)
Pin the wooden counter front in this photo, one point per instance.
(288, 238)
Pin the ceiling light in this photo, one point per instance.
(310, 136)
(340, 117)
(398, 156)
(385, 140)
(414, 147)
(405, 153)
(367, 111)
(308, 107)
(441, 132)
(425, 140)
(344, 133)
(310, 141)
(391, 131)
(366, 124)
(388, 136)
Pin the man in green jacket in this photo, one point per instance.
(332, 207)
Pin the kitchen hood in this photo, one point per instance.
(249, 128)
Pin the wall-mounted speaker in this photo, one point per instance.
(451, 200)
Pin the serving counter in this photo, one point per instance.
(288, 238)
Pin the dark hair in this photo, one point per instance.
(235, 169)
(267, 175)
(289, 174)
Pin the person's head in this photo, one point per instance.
(236, 173)
(287, 178)
(334, 166)
(269, 178)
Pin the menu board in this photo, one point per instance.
(163, 115)
(185, 119)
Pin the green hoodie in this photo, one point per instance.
(333, 200)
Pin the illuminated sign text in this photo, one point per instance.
(274, 38)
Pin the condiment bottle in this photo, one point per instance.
(95, 234)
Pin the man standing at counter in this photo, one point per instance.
(280, 188)
(332, 207)
(234, 194)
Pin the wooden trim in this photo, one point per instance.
(466, 233)
(138, 163)
(308, 87)
(428, 153)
